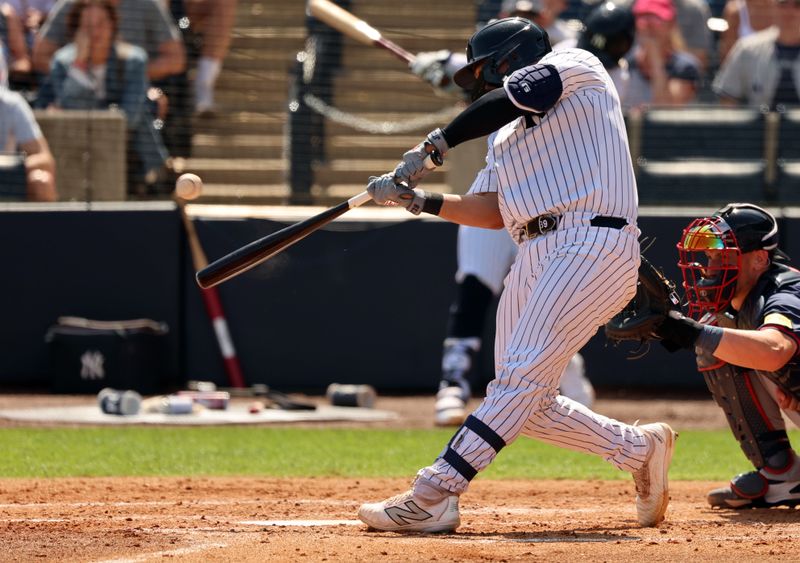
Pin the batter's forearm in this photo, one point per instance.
(474, 210)
(486, 115)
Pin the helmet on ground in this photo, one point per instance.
(499, 49)
(711, 251)
(608, 32)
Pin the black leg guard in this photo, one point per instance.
(468, 311)
(763, 445)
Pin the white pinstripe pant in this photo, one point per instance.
(561, 288)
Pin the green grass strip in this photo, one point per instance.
(302, 452)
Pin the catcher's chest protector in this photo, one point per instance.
(730, 385)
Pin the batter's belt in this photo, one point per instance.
(548, 222)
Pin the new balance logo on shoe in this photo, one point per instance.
(411, 513)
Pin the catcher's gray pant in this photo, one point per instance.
(767, 393)
(561, 288)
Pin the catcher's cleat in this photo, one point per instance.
(408, 513)
(450, 407)
(652, 481)
(756, 489)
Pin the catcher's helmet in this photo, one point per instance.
(502, 47)
(608, 32)
(711, 251)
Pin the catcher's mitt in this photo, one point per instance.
(655, 297)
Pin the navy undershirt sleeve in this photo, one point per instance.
(486, 115)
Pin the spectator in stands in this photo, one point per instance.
(662, 72)
(692, 17)
(96, 70)
(213, 21)
(543, 13)
(149, 25)
(12, 34)
(144, 23)
(763, 69)
(744, 17)
(19, 132)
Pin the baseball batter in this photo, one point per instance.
(485, 256)
(560, 179)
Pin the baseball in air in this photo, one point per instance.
(255, 407)
(188, 186)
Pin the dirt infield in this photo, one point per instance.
(251, 519)
(313, 520)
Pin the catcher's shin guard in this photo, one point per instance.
(732, 389)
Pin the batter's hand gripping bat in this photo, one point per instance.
(355, 28)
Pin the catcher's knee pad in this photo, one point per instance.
(763, 445)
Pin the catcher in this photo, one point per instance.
(746, 300)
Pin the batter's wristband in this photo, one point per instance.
(433, 202)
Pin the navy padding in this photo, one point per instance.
(459, 464)
(489, 436)
(536, 87)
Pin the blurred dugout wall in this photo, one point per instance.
(306, 116)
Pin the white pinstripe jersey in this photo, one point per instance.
(575, 158)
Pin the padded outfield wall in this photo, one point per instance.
(363, 301)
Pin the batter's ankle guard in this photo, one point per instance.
(483, 431)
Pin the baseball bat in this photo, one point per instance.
(258, 251)
(355, 28)
(212, 301)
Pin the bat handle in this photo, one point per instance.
(359, 199)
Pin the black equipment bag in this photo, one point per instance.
(88, 355)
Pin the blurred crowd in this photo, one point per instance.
(678, 52)
(130, 55)
(136, 56)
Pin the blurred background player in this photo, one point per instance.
(485, 256)
(747, 298)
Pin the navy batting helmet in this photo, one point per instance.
(501, 47)
(608, 32)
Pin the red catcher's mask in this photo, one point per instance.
(710, 260)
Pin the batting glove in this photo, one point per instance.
(385, 190)
(432, 67)
(413, 167)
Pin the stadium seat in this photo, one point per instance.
(706, 182)
(701, 155)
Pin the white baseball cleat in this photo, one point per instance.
(450, 407)
(652, 481)
(407, 513)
